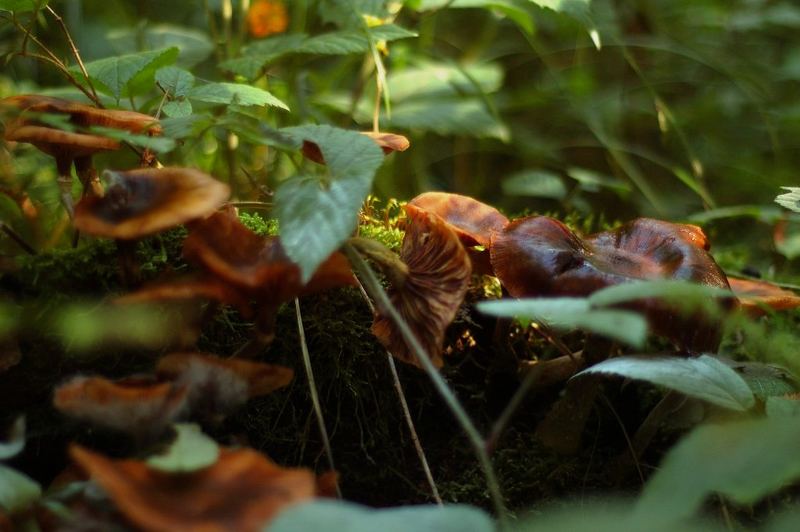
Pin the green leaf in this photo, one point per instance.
(339, 516)
(174, 80)
(352, 42)
(439, 80)
(704, 377)
(513, 9)
(234, 93)
(535, 183)
(743, 461)
(260, 54)
(317, 216)
(592, 181)
(16, 440)
(190, 451)
(567, 313)
(686, 295)
(790, 200)
(764, 380)
(185, 126)
(577, 9)
(129, 74)
(467, 117)
(194, 45)
(178, 108)
(157, 144)
(782, 407)
(17, 491)
(21, 5)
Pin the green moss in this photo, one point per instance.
(258, 224)
(391, 237)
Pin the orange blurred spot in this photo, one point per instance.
(266, 17)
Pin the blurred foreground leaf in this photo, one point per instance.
(16, 440)
(191, 450)
(17, 491)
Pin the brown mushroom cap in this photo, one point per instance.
(388, 142)
(754, 295)
(222, 384)
(242, 491)
(190, 289)
(474, 222)
(537, 255)
(439, 271)
(131, 405)
(84, 115)
(231, 251)
(56, 142)
(148, 200)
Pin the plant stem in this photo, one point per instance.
(75, 54)
(13, 235)
(314, 393)
(406, 412)
(376, 291)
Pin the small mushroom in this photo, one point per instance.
(218, 386)
(439, 271)
(68, 147)
(540, 256)
(258, 267)
(388, 142)
(474, 223)
(136, 406)
(242, 491)
(755, 296)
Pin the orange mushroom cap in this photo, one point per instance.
(755, 295)
(232, 252)
(388, 142)
(474, 222)
(222, 384)
(190, 289)
(130, 405)
(148, 200)
(242, 491)
(439, 271)
(538, 255)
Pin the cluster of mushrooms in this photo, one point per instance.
(448, 238)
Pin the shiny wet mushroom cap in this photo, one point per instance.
(756, 295)
(141, 202)
(538, 256)
(474, 222)
(439, 271)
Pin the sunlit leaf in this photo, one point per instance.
(790, 200)
(15, 440)
(316, 216)
(686, 295)
(234, 93)
(128, 74)
(743, 461)
(174, 80)
(704, 377)
(17, 491)
(21, 5)
(191, 450)
(340, 516)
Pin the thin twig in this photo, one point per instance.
(13, 235)
(314, 393)
(376, 291)
(75, 54)
(406, 412)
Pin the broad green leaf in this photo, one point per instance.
(21, 5)
(129, 74)
(178, 109)
(790, 200)
(339, 516)
(157, 144)
(577, 9)
(258, 55)
(686, 295)
(513, 9)
(535, 183)
(174, 80)
(17, 491)
(592, 181)
(16, 440)
(704, 377)
(437, 80)
(350, 42)
(468, 117)
(185, 126)
(764, 380)
(352, 13)
(743, 461)
(234, 93)
(190, 451)
(316, 216)
(567, 313)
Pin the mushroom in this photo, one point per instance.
(141, 202)
(218, 386)
(438, 275)
(540, 256)
(137, 406)
(388, 142)
(242, 491)
(474, 223)
(68, 147)
(258, 267)
(755, 296)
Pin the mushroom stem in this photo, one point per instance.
(129, 270)
(391, 265)
(88, 176)
(376, 291)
